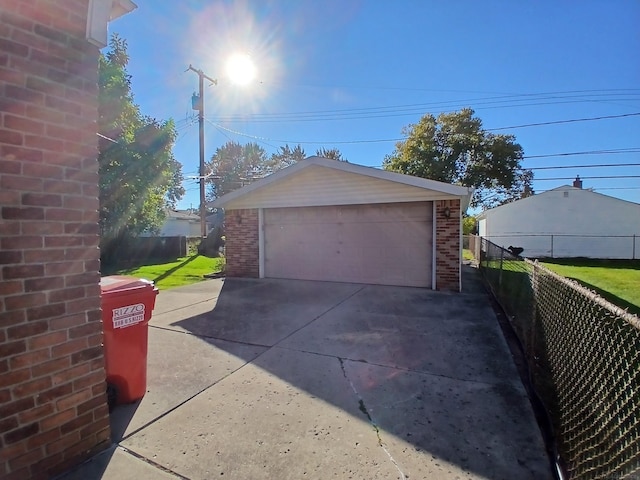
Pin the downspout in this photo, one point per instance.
(460, 250)
(261, 242)
(433, 245)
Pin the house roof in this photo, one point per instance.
(181, 215)
(310, 163)
(564, 188)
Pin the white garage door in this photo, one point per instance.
(384, 244)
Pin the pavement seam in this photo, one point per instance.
(210, 337)
(362, 287)
(363, 408)
(152, 463)
(171, 410)
(395, 367)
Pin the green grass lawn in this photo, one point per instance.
(183, 271)
(467, 254)
(617, 281)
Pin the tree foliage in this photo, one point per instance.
(138, 174)
(469, 225)
(331, 153)
(233, 166)
(285, 157)
(454, 148)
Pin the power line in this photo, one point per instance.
(106, 138)
(595, 189)
(388, 140)
(587, 166)
(495, 94)
(586, 178)
(573, 120)
(420, 107)
(588, 152)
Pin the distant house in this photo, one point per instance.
(566, 222)
(181, 223)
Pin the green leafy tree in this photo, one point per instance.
(285, 157)
(469, 225)
(331, 153)
(138, 174)
(233, 166)
(454, 148)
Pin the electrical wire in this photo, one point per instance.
(391, 110)
(351, 142)
(586, 178)
(588, 152)
(558, 122)
(586, 166)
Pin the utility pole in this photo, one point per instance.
(200, 107)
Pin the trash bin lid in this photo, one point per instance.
(120, 284)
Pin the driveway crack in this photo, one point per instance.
(152, 463)
(363, 408)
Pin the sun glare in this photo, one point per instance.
(240, 69)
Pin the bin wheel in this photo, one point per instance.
(112, 395)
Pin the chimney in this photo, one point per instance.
(577, 183)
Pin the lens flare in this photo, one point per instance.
(240, 69)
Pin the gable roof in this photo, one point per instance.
(181, 215)
(553, 191)
(351, 172)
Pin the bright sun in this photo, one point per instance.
(240, 69)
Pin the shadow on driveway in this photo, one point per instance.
(311, 380)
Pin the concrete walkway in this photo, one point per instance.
(262, 379)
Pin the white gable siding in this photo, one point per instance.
(318, 186)
(566, 222)
(174, 227)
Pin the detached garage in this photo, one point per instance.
(327, 220)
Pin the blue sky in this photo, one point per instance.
(352, 74)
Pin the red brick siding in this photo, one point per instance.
(53, 410)
(448, 245)
(242, 249)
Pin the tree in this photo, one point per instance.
(138, 174)
(331, 153)
(233, 166)
(454, 148)
(285, 157)
(469, 225)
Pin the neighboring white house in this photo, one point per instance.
(566, 222)
(180, 223)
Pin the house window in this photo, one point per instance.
(566, 194)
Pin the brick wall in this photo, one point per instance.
(242, 244)
(448, 245)
(53, 409)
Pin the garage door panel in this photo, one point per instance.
(386, 244)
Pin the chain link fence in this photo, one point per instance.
(583, 355)
(568, 245)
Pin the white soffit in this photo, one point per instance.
(100, 13)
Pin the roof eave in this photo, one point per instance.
(454, 190)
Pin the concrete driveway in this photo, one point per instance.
(261, 379)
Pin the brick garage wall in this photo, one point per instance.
(242, 250)
(448, 245)
(53, 410)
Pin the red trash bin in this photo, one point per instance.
(127, 305)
